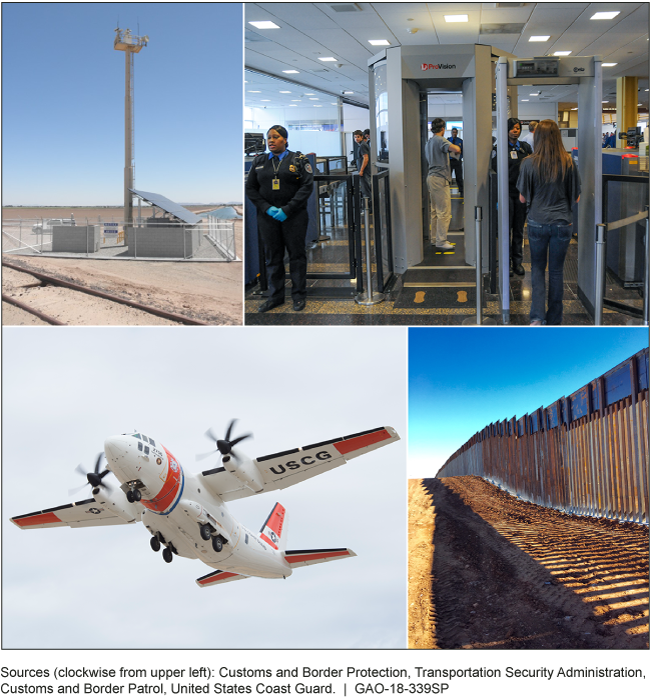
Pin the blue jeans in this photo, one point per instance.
(548, 241)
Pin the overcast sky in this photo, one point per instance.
(63, 102)
(66, 389)
(462, 378)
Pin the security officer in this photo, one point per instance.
(279, 183)
(517, 150)
(456, 161)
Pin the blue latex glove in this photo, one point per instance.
(272, 211)
(280, 215)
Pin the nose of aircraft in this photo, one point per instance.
(117, 449)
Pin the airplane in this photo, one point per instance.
(186, 514)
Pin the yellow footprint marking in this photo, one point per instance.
(419, 296)
(462, 296)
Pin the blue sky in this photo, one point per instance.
(63, 102)
(461, 379)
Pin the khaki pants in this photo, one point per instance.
(440, 199)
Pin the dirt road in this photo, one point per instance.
(503, 573)
(209, 292)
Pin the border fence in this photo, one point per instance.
(585, 454)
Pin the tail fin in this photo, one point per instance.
(273, 528)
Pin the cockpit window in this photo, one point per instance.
(151, 440)
(136, 435)
(139, 446)
(146, 449)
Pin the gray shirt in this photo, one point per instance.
(437, 153)
(548, 202)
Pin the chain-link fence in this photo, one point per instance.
(210, 239)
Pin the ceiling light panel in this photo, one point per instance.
(605, 15)
(264, 25)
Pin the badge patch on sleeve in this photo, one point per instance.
(308, 168)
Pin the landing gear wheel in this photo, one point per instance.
(167, 555)
(155, 544)
(137, 495)
(129, 496)
(217, 544)
(206, 531)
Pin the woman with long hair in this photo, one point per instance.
(549, 182)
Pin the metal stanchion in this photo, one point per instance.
(601, 253)
(478, 317)
(646, 287)
(368, 298)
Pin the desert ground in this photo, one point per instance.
(208, 292)
(489, 571)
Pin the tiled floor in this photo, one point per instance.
(331, 302)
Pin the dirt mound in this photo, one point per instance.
(509, 574)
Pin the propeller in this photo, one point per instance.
(224, 446)
(94, 478)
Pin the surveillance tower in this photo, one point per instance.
(125, 41)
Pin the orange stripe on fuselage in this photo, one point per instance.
(41, 519)
(170, 488)
(310, 557)
(347, 446)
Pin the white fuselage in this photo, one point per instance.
(173, 507)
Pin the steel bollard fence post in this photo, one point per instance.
(601, 252)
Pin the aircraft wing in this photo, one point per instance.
(306, 557)
(281, 470)
(218, 576)
(82, 514)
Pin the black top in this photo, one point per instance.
(549, 201)
(296, 182)
(521, 150)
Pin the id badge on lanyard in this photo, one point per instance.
(276, 180)
(513, 154)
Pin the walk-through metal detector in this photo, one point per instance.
(586, 72)
(400, 79)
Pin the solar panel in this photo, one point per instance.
(168, 206)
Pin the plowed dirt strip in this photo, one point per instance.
(510, 574)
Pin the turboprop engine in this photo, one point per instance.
(246, 471)
(241, 468)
